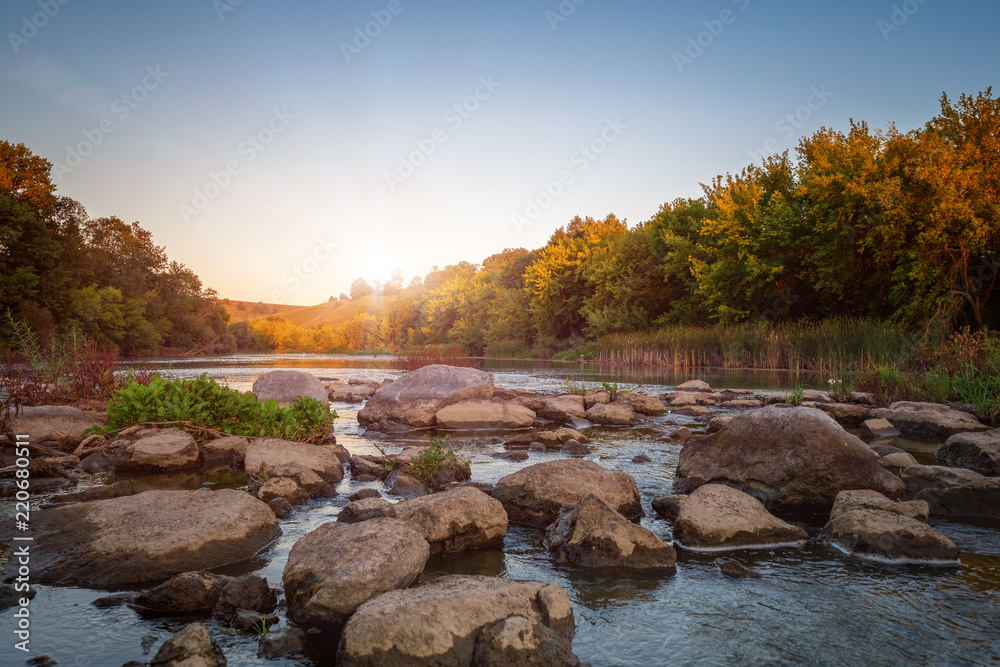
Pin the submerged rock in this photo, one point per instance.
(735, 569)
(720, 518)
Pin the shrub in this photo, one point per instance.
(433, 457)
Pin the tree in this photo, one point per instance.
(360, 289)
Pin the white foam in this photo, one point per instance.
(887, 560)
(798, 544)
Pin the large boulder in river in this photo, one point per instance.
(792, 459)
(888, 537)
(273, 457)
(148, 536)
(52, 425)
(455, 520)
(416, 397)
(931, 421)
(159, 450)
(976, 451)
(286, 386)
(535, 495)
(334, 569)
(481, 414)
(440, 622)
(593, 534)
(720, 518)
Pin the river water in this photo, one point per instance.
(811, 606)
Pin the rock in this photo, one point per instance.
(401, 484)
(438, 623)
(185, 593)
(668, 506)
(717, 423)
(641, 458)
(619, 413)
(646, 404)
(817, 396)
(886, 450)
(52, 425)
(362, 466)
(862, 398)
(852, 500)
(273, 457)
(977, 500)
(743, 403)
(536, 494)
(416, 397)
(888, 537)
(246, 593)
(447, 473)
(147, 537)
(282, 508)
(282, 641)
(232, 450)
(191, 647)
(930, 421)
(793, 459)
(848, 415)
(283, 487)
(735, 569)
(339, 451)
(536, 447)
(681, 434)
(920, 477)
(521, 641)
(457, 520)
(349, 393)
(252, 621)
(694, 386)
(485, 487)
(116, 490)
(976, 451)
(574, 448)
(720, 518)
(159, 450)
(687, 398)
(42, 661)
(366, 492)
(334, 569)
(97, 462)
(549, 439)
(365, 509)
(480, 414)
(592, 534)
(561, 408)
(314, 485)
(877, 429)
(700, 411)
(595, 396)
(577, 424)
(511, 456)
(11, 597)
(286, 386)
(897, 461)
(116, 600)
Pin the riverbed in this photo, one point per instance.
(811, 606)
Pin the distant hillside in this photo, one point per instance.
(332, 314)
(241, 311)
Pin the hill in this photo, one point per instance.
(241, 311)
(333, 314)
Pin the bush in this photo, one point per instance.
(433, 457)
(203, 404)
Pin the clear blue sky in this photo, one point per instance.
(164, 95)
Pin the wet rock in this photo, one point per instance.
(282, 508)
(365, 509)
(979, 499)
(686, 399)
(191, 647)
(252, 621)
(281, 642)
(862, 398)
(920, 477)
(116, 490)
(897, 461)
(283, 487)
(562, 408)
(42, 661)
(668, 506)
(735, 569)
(574, 448)
(720, 518)
(646, 404)
(593, 534)
(58, 426)
(717, 423)
(577, 423)
(848, 415)
(248, 593)
(887, 450)
(416, 397)
(521, 641)
(699, 411)
(339, 451)
(349, 393)
(116, 600)
(549, 439)
(877, 429)
(694, 386)
(457, 520)
(11, 597)
(231, 450)
(186, 593)
(363, 467)
(743, 403)
(512, 456)
(287, 386)
(881, 536)
(97, 462)
(334, 569)
(794, 460)
(680, 434)
(537, 447)
(979, 452)
(273, 457)
(482, 414)
(401, 484)
(595, 396)
(536, 494)
(366, 492)
(641, 458)
(438, 623)
(930, 421)
(485, 487)
(149, 536)
(618, 413)
(159, 450)
(852, 500)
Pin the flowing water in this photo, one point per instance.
(811, 606)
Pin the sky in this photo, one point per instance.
(282, 150)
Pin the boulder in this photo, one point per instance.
(897, 461)
(817, 396)
(365, 509)
(743, 403)
(848, 415)
(283, 487)
(282, 641)
(273, 457)
(684, 399)
(862, 398)
(231, 450)
(594, 396)
(700, 411)
(334, 569)
(852, 500)
(52, 425)
(694, 386)
(186, 593)
(286, 386)
(641, 458)
(456, 520)
(147, 537)
(591, 533)
(159, 450)
(920, 477)
(524, 642)
(574, 448)
(561, 408)
(339, 451)
(931, 421)
(877, 429)
(191, 647)
(349, 393)
(668, 506)
(482, 414)
(720, 518)
(618, 413)
(646, 404)
(416, 397)
(979, 499)
(887, 537)
(246, 593)
(535, 495)
(793, 459)
(116, 490)
(440, 622)
(366, 492)
(401, 484)
(550, 439)
(717, 423)
(976, 451)
(282, 508)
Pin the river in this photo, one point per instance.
(811, 606)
